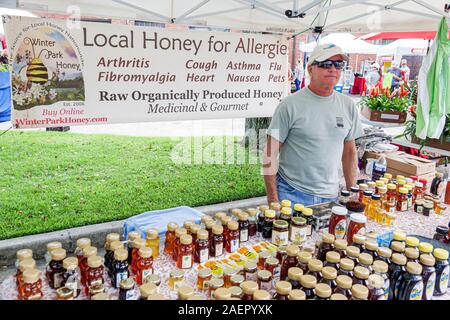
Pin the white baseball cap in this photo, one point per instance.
(325, 51)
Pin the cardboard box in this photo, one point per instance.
(408, 164)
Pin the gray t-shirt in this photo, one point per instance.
(313, 130)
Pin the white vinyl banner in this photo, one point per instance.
(80, 73)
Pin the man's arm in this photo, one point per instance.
(349, 163)
(270, 167)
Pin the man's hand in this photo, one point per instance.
(349, 163)
(270, 167)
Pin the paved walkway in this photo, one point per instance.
(220, 127)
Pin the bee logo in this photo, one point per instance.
(37, 72)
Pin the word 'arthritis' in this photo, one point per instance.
(152, 40)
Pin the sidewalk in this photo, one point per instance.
(219, 127)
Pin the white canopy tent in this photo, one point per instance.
(348, 43)
(14, 12)
(259, 15)
(404, 47)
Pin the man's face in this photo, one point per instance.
(323, 76)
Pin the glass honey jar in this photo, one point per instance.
(152, 241)
(155, 279)
(264, 280)
(132, 236)
(227, 274)
(109, 252)
(214, 284)
(187, 225)
(72, 276)
(252, 212)
(119, 269)
(170, 237)
(64, 293)
(250, 269)
(185, 258)
(144, 265)
(94, 273)
(81, 244)
(248, 289)
(222, 294)
(236, 280)
(201, 248)
(194, 230)
(291, 260)
(22, 255)
(261, 295)
(127, 289)
(50, 246)
(303, 259)
(236, 292)
(25, 264)
(137, 244)
(87, 252)
(176, 279)
(294, 277)
(109, 256)
(273, 266)
(32, 285)
(176, 244)
(185, 292)
(297, 294)
(146, 290)
(308, 283)
(282, 290)
(203, 278)
(55, 270)
(243, 227)
(216, 245)
(232, 239)
(95, 290)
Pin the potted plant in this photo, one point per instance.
(383, 106)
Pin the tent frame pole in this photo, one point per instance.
(432, 8)
(157, 15)
(218, 12)
(188, 12)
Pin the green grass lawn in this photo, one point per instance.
(51, 180)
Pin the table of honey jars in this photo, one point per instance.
(168, 278)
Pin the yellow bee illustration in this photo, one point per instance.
(37, 72)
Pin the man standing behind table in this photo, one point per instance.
(311, 133)
(396, 76)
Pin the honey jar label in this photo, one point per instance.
(362, 231)
(119, 277)
(203, 255)
(243, 235)
(404, 206)
(416, 292)
(186, 262)
(429, 289)
(146, 274)
(266, 285)
(339, 230)
(234, 245)
(251, 276)
(443, 282)
(280, 238)
(58, 280)
(131, 295)
(298, 234)
(419, 209)
(219, 249)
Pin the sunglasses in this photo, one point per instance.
(327, 64)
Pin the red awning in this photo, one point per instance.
(427, 35)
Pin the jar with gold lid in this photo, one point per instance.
(204, 275)
(227, 274)
(250, 269)
(236, 280)
(282, 288)
(176, 279)
(249, 288)
(185, 292)
(147, 289)
(294, 276)
(261, 295)
(297, 294)
(101, 296)
(127, 289)
(236, 291)
(32, 285)
(280, 232)
(64, 293)
(50, 246)
(96, 289)
(214, 284)
(222, 294)
(265, 280)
